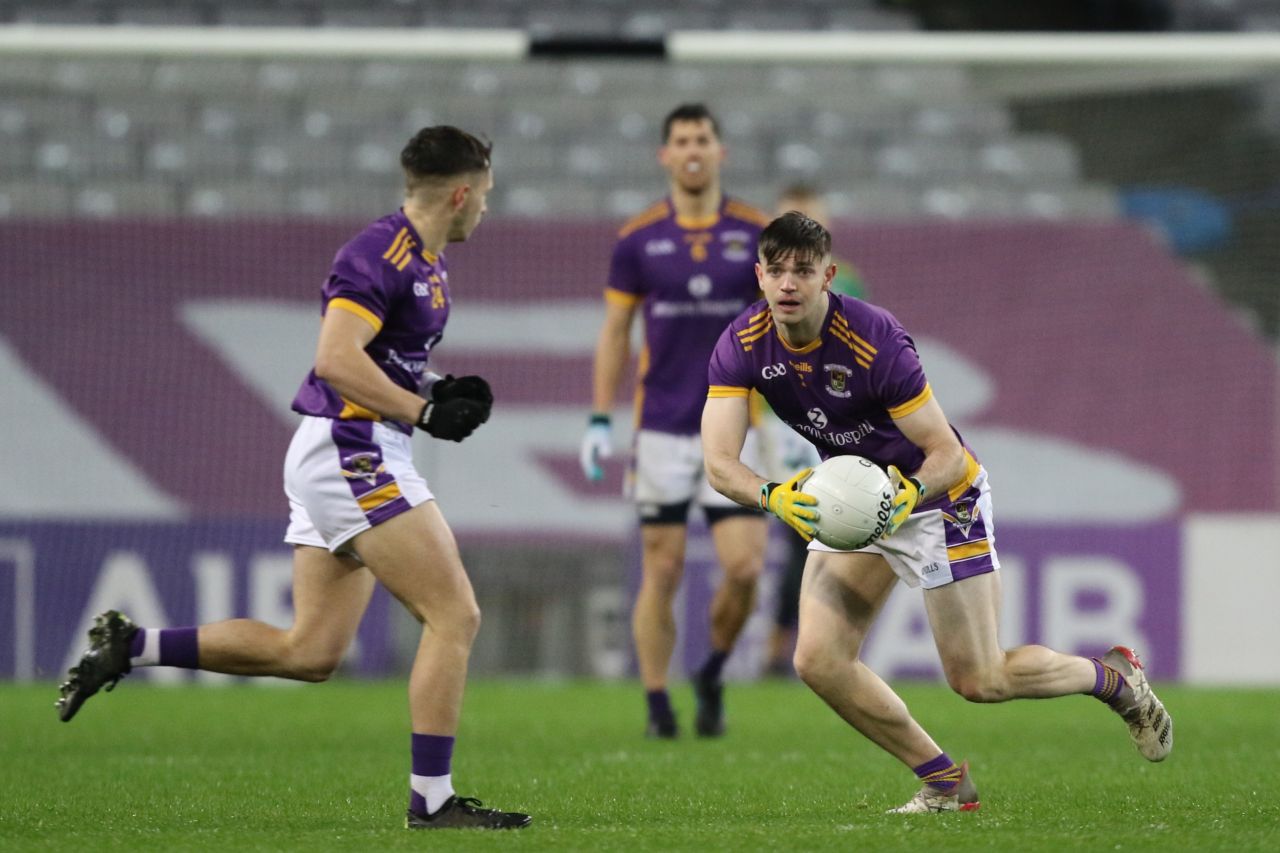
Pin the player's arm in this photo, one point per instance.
(341, 361)
(944, 464)
(613, 351)
(724, 430)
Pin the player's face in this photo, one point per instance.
(795, 287)
(473, 207)
(692, 155)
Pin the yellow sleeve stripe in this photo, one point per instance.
(968, 549)
(972, 469)
(914, 403)
(757, 336)
(378, 497)
(352, 412)
(717, 391)
(758, 316)
(839, 322)
(359, 310)
(755, 327)
(742, 210)
(396, 244)
(645, 217)
(863, 357)
(620, 297)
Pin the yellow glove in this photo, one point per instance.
(787, 502)
(907, 493)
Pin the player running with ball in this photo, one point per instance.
(846, 375)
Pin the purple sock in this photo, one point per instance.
(715, 663)
(432, 756)
(659, 705)
(179, 647)
(941, 773)
(1109, 686)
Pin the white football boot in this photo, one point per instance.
(962, 798)
(1150, 726)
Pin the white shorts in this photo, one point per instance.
(936, 547)
(667, 471)
(343, 477)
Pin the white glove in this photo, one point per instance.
(597, 444)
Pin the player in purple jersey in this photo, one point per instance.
(359, 511)
(685, 265)
(845, 374)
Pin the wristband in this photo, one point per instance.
(765, 491)
(597, 419)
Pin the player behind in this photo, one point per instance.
(685, 264)
(788, 451)
(846, 375)
(359, 511)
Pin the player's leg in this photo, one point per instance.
(740, 537)
(840, 597)
(964, 616)
(414, 555)
(665, 472)
(962, 597)
(330, 594)
(787, 614)
(653, 622)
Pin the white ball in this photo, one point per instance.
(855, 499)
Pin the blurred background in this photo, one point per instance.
(1074, 207)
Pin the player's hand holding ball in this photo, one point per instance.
(907, 492)
(456, 407)
(787, 502)
(597, 445)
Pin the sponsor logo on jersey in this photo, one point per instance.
(774, 371)
(700, 286)
(966, 513)
(663, 246)
(801, 367)
(701, 308)
(817, 417)
(931, 568)
(837, 380)
(834, 439)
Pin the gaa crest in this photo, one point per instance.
(837, 380)
(966, 513)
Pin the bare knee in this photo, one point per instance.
(814, 663)
(743, 573)
(979, 685)
(313, 665)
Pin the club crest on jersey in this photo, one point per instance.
(363, 466)
(735, 246)
(837, 380)
(966, 513)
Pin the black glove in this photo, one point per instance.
(463, 387)
(452, 420)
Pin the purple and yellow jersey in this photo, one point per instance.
(691, 278)
(384, 276)
(842, 391)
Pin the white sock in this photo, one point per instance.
(150, 655)
(434, 789)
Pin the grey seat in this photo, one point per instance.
(119, 74)
(231, 77)
(125, 117)
(234, 199)
(34, 199)
(297, 155)
(533, 200)
(125, 200)
(913, 160)
(1086, 201)
(157, 14)
(963, 118)
(198, 157)
(969, 201)
(1030, 158)
(346, 200)
(874, 201)
(70, 158)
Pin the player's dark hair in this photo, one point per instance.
(796, 236)
(689, 112)
(442, 152)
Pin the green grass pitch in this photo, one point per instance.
(325, 767)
